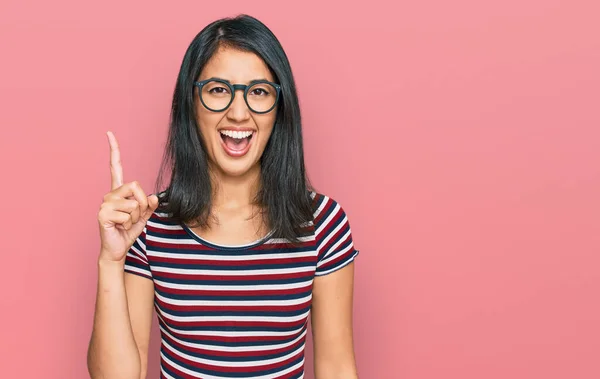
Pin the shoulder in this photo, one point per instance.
(161, 215)
(326, 210)
(333, 235)
(161, 219)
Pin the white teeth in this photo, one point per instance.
(236, 134)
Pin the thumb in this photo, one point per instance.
(152, 205)
(153, 202)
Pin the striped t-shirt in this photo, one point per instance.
(237, 311)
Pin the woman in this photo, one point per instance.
(239, 250)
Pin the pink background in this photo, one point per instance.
(462, 138)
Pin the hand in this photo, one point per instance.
(124, 212)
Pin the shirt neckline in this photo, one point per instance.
(217, 246)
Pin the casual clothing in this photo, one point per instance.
(237, 311)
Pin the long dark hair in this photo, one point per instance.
(284, 193)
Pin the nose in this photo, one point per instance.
(238, 110)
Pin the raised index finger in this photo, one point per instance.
(116, 170)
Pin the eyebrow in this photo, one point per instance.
(229, 81)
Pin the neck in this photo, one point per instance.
(230, 192)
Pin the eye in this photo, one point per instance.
(259, 92)
(218, 90)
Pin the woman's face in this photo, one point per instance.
(221, 131)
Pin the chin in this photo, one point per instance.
(236, 169)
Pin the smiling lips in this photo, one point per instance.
(236, 142)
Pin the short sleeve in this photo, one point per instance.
(136, 261)
(335, 247)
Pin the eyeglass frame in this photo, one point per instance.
(238, 87)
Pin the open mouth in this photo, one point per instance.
(236, 143)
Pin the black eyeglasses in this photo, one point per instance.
(216, 95)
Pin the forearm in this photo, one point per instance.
(337, 375)
(335, 370)
(113, 352)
